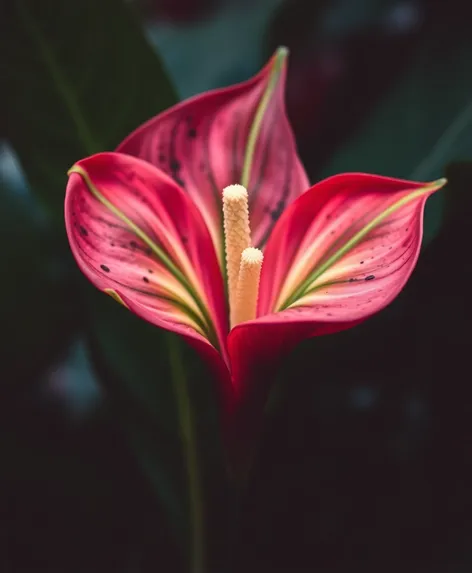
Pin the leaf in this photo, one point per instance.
(36, 314)
(133, 368)
(79, 77)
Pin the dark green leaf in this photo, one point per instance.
(81, 76)
(36, 291)
(78, 77)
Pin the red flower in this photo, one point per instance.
(146, 226)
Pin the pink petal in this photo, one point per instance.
(137, 236)
(202, 143)
(344, 249)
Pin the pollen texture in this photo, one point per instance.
(237, 236)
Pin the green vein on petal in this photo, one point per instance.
(304, 287)
(280, 58)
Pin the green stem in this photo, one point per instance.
(187, 431)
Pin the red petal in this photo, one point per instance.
(202, 144)
(346, 247)
(137, 236)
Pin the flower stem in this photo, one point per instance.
(187, 432)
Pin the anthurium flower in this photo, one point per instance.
(203, 223)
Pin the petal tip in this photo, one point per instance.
(280, 59)
(438, 184)
(282, 53)
(75, 169)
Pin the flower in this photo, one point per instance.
(165, 226)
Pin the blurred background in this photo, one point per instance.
(367, 459)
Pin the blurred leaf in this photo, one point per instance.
(128, 357)
(459, 195)
(79, 76)
(36, 313)
(426, 121)
(131, 359)
(95, 79)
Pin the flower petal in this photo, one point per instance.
(345, 248)
(138, 237)
(233, 135)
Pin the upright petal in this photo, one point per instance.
(138, 237)
(239, 134)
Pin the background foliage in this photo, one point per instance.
(367, 460)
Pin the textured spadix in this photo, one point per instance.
(237, 236)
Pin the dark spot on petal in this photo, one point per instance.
(150, 271)
(184, 239)
(275, 214)
(175, 165)
(105, 268)
(148, 251)
(370, 278)
(133, 244)
(112, 244)
(179, 180)
(192, 133)
(406, 230)
(145, 279)
(362, 262)
(83, 231)
(329, 314)
(390, 248)
(352, 280)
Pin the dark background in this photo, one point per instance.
(367, 459)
